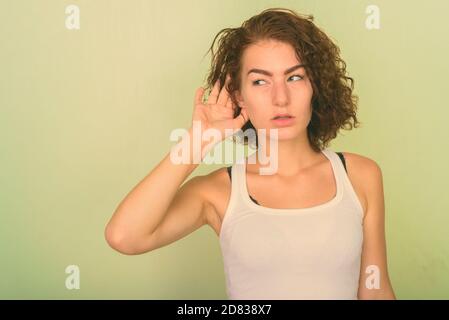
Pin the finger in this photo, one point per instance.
(229, 103)
(226, 112)
(224, 94)
(199, 95)
(212, 99)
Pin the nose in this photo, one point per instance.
(280, 94)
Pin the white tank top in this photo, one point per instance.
(306, 253)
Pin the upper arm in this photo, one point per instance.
(374, 253)
(186, 213)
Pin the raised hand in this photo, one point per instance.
(218, 111)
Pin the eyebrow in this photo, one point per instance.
(267, 73)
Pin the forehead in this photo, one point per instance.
(270, 55)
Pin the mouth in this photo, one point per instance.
(282, 116)
(283, 120)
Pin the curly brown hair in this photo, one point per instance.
(334, 105)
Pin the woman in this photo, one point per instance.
(312, 230)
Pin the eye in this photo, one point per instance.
(255, 83)
(297, 75)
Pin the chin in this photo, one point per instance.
(287, 133)
(284, 133)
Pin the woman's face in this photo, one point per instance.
(266, 90)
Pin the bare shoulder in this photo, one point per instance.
(365, 174)
(215, 189)
(362, 164)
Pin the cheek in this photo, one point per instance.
(259, 116)
(303, 91)
(303, 100)
(255, 102)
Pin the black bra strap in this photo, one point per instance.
(229, 171)
(230, 177)
(342, 157)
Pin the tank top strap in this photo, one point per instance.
(238, 171)
(337, 165)
(345, 182)
(236, 207)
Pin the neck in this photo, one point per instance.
(292, 155)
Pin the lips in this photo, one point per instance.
(283, 120)
(282, 116)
